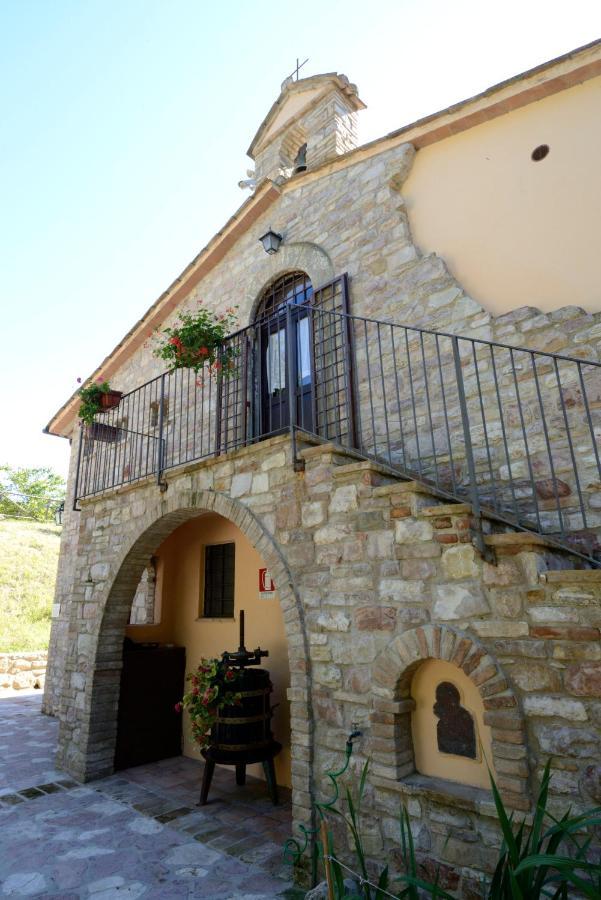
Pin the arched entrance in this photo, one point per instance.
(207, 571)
(285, 354)
(89, 724)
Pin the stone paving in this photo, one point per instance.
(136, 834)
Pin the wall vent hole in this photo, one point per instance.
(540, 152)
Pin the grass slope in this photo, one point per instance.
(28, 561)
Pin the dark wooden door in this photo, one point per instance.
(152, 682)
(286, 370)
(284, 355)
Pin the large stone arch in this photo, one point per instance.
(89, 715)
(301, 256)
(393, 671)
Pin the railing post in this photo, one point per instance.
(219, 409)
(292, 389)
(79, 450)
(469, 451)
(160, 455)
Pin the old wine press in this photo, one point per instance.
(242, 734)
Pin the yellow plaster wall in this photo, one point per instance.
(179, 585)
(428, 759)
(516, 232)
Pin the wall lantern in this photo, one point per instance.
(271, 241)
(58, 513)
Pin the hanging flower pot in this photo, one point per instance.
(96, 398)
(110, 399)
(198, 340)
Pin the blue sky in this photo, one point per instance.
(124, 126)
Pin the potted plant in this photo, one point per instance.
(213, 687)
(197, 340)
(96, 398)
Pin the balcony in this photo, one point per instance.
(511, 430)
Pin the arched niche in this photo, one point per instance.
(393, 708)
(450, 739)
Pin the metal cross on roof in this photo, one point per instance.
(298, 68)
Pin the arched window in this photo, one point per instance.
(294, 287)
(284, 345)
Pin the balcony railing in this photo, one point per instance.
(513, 431)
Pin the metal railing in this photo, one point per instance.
(513, 431)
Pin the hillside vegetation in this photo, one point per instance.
(28, 561)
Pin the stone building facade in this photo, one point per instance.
(381, 563)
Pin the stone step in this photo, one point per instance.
(351, 466)
(511, 542)
(366, 471)
(328, 453)
(572, 576)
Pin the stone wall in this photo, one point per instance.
(64, 586)
(375, 576)
(23, 670)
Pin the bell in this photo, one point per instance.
(300, 163)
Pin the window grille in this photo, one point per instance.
(219, 581)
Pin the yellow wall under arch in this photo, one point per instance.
(428, 759)
(179, 582)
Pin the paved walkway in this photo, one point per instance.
(135, 834)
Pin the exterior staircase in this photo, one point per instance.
(512, 431)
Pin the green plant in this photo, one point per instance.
(545, 859)
(91, 400)
(212, 689)
(378, 886)
(197, 340)
(28, 562)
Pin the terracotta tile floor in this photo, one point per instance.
(138, 833)
(240, 821)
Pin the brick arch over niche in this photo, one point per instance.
(88, 725)
(295, 257)
(393, 672)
